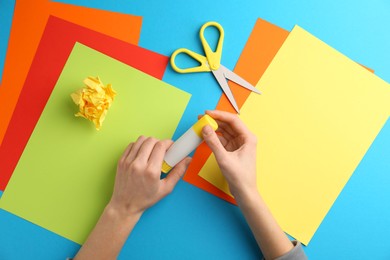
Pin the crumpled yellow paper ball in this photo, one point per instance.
(94, 100)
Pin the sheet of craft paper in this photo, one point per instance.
(27, 27)
(65, 176)
(317, 116)
(54, 48)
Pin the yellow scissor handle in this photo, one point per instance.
(201, 59)
(214, 58)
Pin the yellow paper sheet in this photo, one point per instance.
(317, 117)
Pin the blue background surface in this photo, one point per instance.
(6, 13)
(192, 224)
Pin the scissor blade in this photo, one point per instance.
(240, 81)
(225, 87)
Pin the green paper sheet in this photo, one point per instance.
(65, 176)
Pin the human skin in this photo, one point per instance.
(138, 187)
(234, 147)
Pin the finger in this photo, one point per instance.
(226, 127)
(126, 152)
(223, 140)
(224, 133)
(146, 149)
(134, 149)
(157, 156)
(175, 175)
(212, 140)
(222, 125)
(230, 119)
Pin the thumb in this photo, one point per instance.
(212, 140)
(175, 175)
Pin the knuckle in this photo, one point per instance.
(150, 170)
(151, 139)
(136, 167)
(212, 140)
(141, 138)
(217, 143)
(234, 118)
(159, 145)
(249, 138)
(127, 164)
(169, 190)
(171, 185)
(168, 142)
(165, 192)
(121, 161)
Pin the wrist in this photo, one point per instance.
(248, 198)
(119, 214)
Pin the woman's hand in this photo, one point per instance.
(137, 183)
(234, 147)
(137, 187)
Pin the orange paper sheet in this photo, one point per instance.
(260, 49)
(29, 22)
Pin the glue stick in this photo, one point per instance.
(187, 143)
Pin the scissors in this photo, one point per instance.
(212, 62)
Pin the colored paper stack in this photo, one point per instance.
(317, 117)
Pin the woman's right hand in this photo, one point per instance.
(234, 147)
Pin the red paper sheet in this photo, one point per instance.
(29, 21)
(260, 49)
(56, 44)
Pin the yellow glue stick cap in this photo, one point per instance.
(165, 167)
(205, 120)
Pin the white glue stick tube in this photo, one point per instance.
(187, 143)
